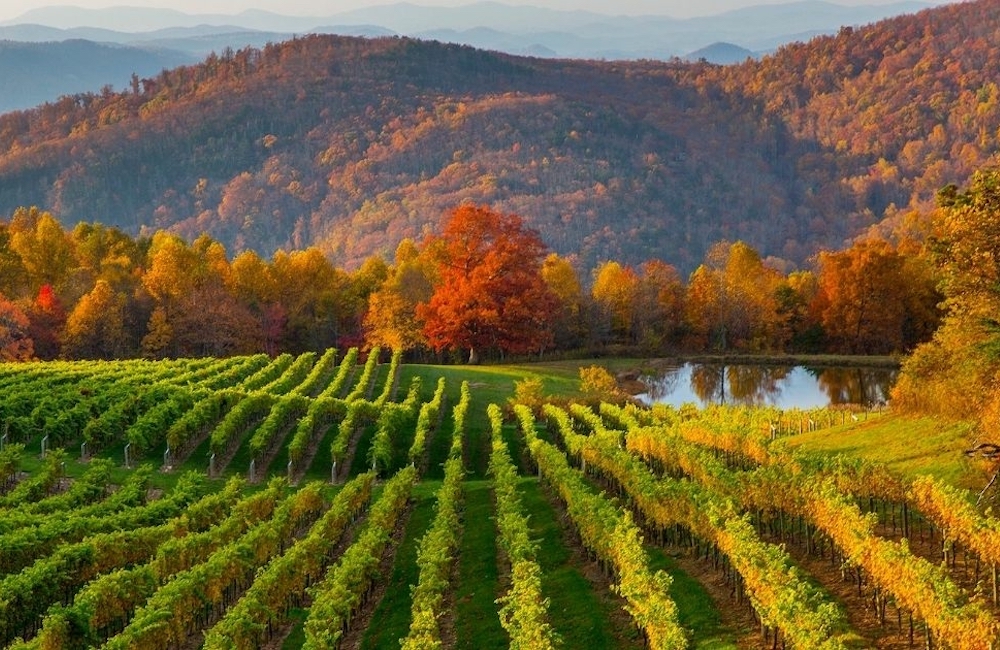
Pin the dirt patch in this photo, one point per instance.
(858, 604)
(735, 616)
(633, 386)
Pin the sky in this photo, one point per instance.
(10, 9)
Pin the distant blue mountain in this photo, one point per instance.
(35, 73)
(147, 40)
(720, 53)
(578, 34)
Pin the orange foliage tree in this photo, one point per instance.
(872, 301)
(956, 372)
(15, 344)
(491, 294)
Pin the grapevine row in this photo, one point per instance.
(363, 382)
(347, 364)
(25, 595)
(112, 598)
(86, 490)
(426, 421)
(914, 583)
(523, 609)
(946, 507)
(284, 581)
(435, 556)
(779, 595)
(614, 538)
(292, 377)
(349, 582)
(171, 614)
(21, 547)
(320, 373)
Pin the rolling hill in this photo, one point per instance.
(351, 144)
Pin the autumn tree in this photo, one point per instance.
(732, 301)
(569, 326)
(105, 253)
(209, 321)
(872, 300)
(15, 344)
(316, 300)
(659, 305)
(750, 315)
(955, 373)
(95, 329)
(174, 271)
(614, 293)
(13, 276)
(45, 249)
(253, 283)
(391, 320)
(703, 309)
(47, 318)
(798, 330)
(491, 294)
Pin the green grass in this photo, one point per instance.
(279, 464)
(477, 626)
(297, 636)
(360, 463)
(240, 462)
(907, 445)
(322, 463)
(579, 614)
(696, 610)
(496, 383)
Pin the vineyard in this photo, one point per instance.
(348, 500)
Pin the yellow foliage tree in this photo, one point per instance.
(95, 329)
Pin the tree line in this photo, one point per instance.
(485, 287)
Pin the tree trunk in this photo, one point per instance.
(473, 357)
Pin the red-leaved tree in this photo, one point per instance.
(491, 294)
(15, 344)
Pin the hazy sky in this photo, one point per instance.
(679, 8)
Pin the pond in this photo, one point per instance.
(785, 387)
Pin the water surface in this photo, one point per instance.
(757, 385)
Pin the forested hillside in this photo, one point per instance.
(352, 145)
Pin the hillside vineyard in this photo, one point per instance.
(323, 502)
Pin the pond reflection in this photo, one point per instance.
(781, 386)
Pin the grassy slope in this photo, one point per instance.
(908, 445)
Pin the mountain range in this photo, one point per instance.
(352, 144)
(124, 40)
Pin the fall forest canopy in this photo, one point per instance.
(484, 287)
